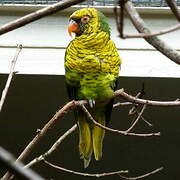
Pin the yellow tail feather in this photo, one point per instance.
(85, 142)
(91, 137)
(97, 137)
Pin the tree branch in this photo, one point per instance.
(51, 9)
(154, 41)
(142, 176)
(53, 148)
(11, 74)
(72, 104)
(42, 133)
(135, 100)
(122, 104)
(145, 35)
(148, 123)
(115, 130)
(174, 8)
(7, 161)
(86, 174)
(137, 119)
(140, 94)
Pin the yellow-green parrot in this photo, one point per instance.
(92, 67)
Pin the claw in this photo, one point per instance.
(91, 103)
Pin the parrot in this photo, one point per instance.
(92, 66)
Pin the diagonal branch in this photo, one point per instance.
(53, 148)
(43, 132)
(139, 95)
(11, 74)
(174, 8)
(147, 122)
(8, 161)
(137, 119)
(51, 9)
(154, 41)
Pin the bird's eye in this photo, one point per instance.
(85, 19)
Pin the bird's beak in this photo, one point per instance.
(73, 27)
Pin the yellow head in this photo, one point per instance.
(87, 21)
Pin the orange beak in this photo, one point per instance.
(73, 27)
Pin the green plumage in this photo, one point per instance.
(92, 67)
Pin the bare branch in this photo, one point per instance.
(72, 104)
(135, 100)
(37, 15)
(146, 35)
(142, 176)
(11, 74)
(122, 104)
(86, 174)
(148, 123)
(137, 119)
(174, 8)
(115, 130)
(119, 16)
(42, 133)
(140, 94)
(53, 148)
(154, 41)
(122, 17)
(7, 161)
(118, 23)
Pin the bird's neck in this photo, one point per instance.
(93, 40)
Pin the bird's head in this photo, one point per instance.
(87, 21)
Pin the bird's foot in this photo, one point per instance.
(91, 103)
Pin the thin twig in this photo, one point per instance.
(148, 123)
(115, 130)
(37, 15)
(11, 74)
(53, 147)
(122, 104)
(86, 174)
(142, 176)
(137, 119)
(146, 35)
(139, 95)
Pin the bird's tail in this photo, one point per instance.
(98, 135)
(90, 137)
(85, 139)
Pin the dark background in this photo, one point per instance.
(33, 99)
